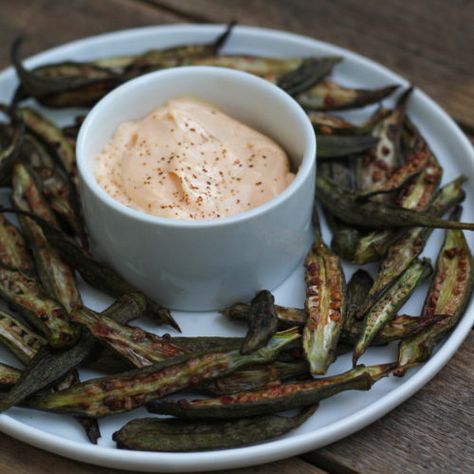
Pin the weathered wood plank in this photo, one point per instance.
(19, 458)
(45, 24)
(431, 432)
(426, 43)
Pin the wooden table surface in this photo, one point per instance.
(428, 42)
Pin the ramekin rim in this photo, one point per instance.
(88, 179)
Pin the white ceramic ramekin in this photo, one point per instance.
(207, 264)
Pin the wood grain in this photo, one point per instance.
(48, 23)
(426, 42)
(19, 458)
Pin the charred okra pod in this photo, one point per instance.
(345, 205)
(410, 244)
(155, 434)
(449, 294)
(276, 398)
(256, 378)
(121, 393)
(336, 146)
(13, 250)
(379, 164)
(385, 308)
(9, 154)
(307, 74)
(49, 365)
(96, 274)
(262, 320)
(329, 95)
(56, 277)
(137, 346)
(325, 306)
(357, 290)
(25, 295)
(9, 376)
(287, 317)
(22, 341)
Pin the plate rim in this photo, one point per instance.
(272, 450)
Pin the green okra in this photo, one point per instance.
(344, 204)
(281, 397)
(155, 434)
(53, 137)
(124, 392)
(328, 95)
(310, 72)
(325, 306)
(255, 378)
(137, 346)
(449, 294)
(336, 146)
(48, 316)
(49, 365)
(56, 276)
(410, 244)
(381, 161)
(98, 275)
(357, 290)
(73, 84)
(262, 321)
(9, 376)
(417, 196)
(21, 340)
(328, 124)
(13, 249)
(413, 166)
(10, 153)
(385, 309)
(287, 317)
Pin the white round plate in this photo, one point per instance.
(340, 415)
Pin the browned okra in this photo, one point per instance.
(380, 162)
(385, 308)
(49, 365)
(262, 322)
(450, 292)
(22, 341)
(72, 84)
(9, 153)
(329, 95)
(325, 306)
(310, 72)
(56, 276)
(287, 317)
(401, 327)
(357, 290)
(13, 250)
(53, 137)
(121, 393)
(137, 346)
(344, 204)
(336, 146)
(98, 275)
(9, 376)
(24, 294)
(327, 124)
(410, 244)
(414, 165)
(285, 396)
(255, 378)
(155, 434)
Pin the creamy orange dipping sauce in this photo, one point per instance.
(188, 160)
